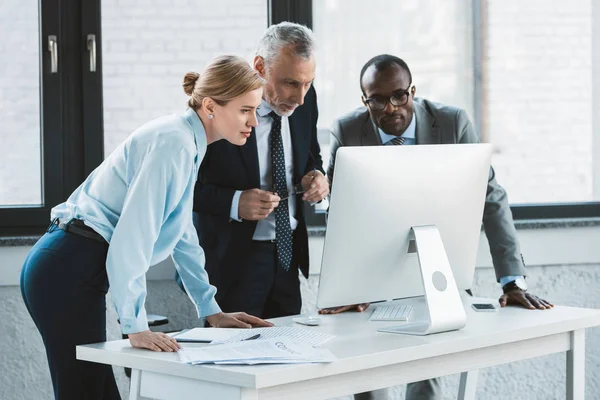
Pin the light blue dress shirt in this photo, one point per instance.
(410, 138)
(140, 200)
(409, 135)
(265, 228)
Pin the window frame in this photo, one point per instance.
(70, 112)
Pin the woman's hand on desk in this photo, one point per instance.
(336, 310)
(155, 341)
(521, 298)
(236, 320)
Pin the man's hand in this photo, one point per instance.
(336, 310)
(256, 204)
(524, 299)
(155, 341)
(236, 320)
(316, 186)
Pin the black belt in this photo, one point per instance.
(265, 241)
(77, 227)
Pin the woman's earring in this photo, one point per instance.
(210, 116)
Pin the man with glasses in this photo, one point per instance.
(249, 200)
(391, 115)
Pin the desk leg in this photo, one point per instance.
(134, 384)
(576, 366)
(468, 385)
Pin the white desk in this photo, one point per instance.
(489, 339)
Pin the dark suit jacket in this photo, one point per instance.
(227, 168)
(442, 124)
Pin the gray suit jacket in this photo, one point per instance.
(441, 124)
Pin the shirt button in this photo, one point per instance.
(127, 326)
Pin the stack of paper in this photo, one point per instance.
(207, 335)
(230, 335)
(279, 350)
(302, 336)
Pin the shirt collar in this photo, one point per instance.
(409, 133)
(264, 109)
(197, 128)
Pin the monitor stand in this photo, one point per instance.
(442, 299)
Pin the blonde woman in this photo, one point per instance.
(133, 211)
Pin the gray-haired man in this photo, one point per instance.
(249, 199)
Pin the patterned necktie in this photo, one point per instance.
(398, 140)
(283, 229)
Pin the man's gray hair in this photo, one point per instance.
(299, 38)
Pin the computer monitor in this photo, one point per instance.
(378, 194)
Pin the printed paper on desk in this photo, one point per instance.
(208, 334)
(308, 337)
(275, 350)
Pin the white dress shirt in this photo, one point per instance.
(409, 135)
(265, 228)
(140, 201)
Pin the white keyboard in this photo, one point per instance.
(397, 312)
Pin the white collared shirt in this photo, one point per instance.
(409, 135)
(265, 228)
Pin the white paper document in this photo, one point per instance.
(207, 335)
(278, 350)
(299, 335)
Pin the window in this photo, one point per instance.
(55, 135)
(521, 69)
(20, 156)
(538, 109)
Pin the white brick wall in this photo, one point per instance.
(19, 103)
(540, 98)
(149, 46)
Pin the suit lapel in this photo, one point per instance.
(370, 136)
(427, 131)
(249, 154)
(299, 136)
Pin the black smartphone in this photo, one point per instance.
(483, 307)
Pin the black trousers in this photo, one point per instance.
(261, 288)
(64, 286)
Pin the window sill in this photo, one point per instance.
(317, 231)
(15, 241)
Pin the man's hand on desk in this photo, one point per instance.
(155, 341)
(336, 310)
(236, 320)
(519, 297)
(256, 204)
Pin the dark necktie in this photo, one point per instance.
(283, 229)
(398, 140)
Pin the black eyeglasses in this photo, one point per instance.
(296, 189)
(399, 98)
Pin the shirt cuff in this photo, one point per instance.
(235, 203)
(508, 279)
(207, 309)
(134, 325)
